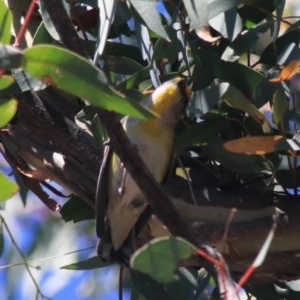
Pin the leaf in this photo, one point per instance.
(198, 13)
(88, 264)
(200, 134)
(233, 97)
(209, 66)
(287, 71)
(148, 12)
(236, 162)
(272, 52)
(121, 65)
(134, 80)
(5, 24)
(159, 258)
(8, 109)
(148, 287)
(228, 23)
(5, 82)
(76, 210)
(8, 188)
(73, 74)
(107, 10)
(10, 57)
(218, 6)
(253, 145)
(245, 41)
(169, 50)
(42, 36)
(255, 11)
(48, 24)
(280, 104)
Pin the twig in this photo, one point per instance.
(25, 263)
(25, 23)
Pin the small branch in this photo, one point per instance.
(25, 263)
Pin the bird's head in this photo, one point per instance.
(169, 100)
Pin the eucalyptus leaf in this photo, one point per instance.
(74, 74)
(280, 104)
(6, 81)
(76, 210)
(216, 7)
(150, 15)
(236, 99)
(121, 65)
(148, 287)
(5, 24)
(209, 66)
(8, 108)
(272, 53)
(48, 22)
(198, 12)
(166, 252)
(8, 188)
(87, 264)
(239, 163)
(228, 24)
(200, 134)
(107, 10)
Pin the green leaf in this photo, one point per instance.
(169, 50)
(6, 81)
(274, 50)
(280, 104)
(148, 12)
(218, 6)
(209, 66)
(87, 264)
(148, 287)
(8, 109)
(134, 80)
(10, 57)
(76, 210)
(245, 41)
(198, 12)
(8, 188)
(5, 23)
(121, 65)
(200, 134)
(236, 99)
(42, 36)
(76, 75)
(107, 12)
(160, 258)
(256, 11)
(48, 24)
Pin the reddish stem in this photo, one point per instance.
(25, 24)
(244, 278)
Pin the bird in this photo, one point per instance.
(153, 138)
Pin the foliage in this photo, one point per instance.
(241, 59)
